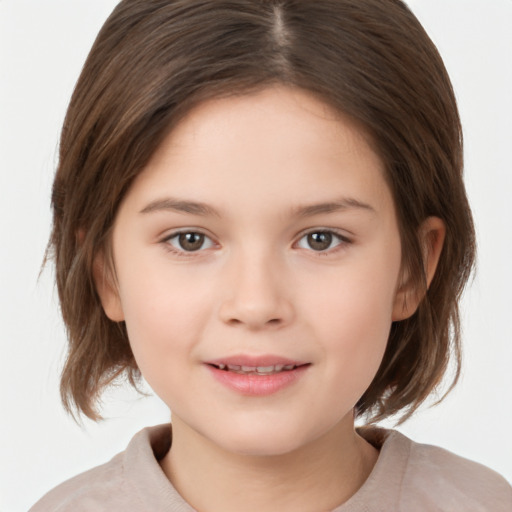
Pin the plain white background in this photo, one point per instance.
(42, 48)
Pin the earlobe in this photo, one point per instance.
(408, 297)
(107, 289)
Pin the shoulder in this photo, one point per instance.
(413, 476)
(93, 490)
(445, 481)
(132, 480)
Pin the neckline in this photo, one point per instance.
(150, 445)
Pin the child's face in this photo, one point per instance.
(293, 257)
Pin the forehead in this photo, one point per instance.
(278, 145)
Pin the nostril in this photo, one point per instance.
(255, 312)
(271, 322)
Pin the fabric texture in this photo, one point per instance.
(407, 477)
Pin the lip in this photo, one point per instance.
(253, 384)
(248, 360)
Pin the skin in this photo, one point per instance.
(257, 286)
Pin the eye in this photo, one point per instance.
(321, 240)
(189, 241)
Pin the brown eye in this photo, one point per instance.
(320, 241)
(189, 241)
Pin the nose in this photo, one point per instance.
(256, 295)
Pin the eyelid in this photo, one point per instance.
(341, 236)
(165, 240)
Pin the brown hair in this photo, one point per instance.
(154, 60)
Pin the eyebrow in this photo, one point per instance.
(332, 207)
(181, 206)
(204, 210)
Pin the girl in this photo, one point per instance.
(259, 208)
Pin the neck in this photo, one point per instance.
(319, 476)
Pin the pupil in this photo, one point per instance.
(191, 241)
(319, 241)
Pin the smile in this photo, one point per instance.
(256, 370)
(257, 376)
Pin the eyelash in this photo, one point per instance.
(343, 241)
(181, 252)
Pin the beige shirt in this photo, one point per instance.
(407, 477)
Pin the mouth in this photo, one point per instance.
(257, 370)
(257, 376)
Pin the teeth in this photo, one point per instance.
(258, 370)
(266, 369)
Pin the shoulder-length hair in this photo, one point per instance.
(154, 60)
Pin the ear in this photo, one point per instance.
(107, 289)
(408, 297)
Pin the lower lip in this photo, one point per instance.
(257, 385)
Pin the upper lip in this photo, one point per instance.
(255, 361)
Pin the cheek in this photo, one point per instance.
(164, 319)
(359, 330)
(354, 318)
(357, 297)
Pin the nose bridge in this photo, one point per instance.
(256, 294)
